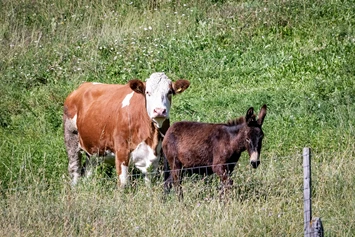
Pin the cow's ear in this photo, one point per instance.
(250, 116)
(137, 86)
(180, 85)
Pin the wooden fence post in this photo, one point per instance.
(312, 227)
(307, 205)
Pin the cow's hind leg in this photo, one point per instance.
(71, 138)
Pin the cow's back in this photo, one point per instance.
(81, 98)
(105, 114)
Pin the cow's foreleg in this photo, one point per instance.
(150, 173)
(71, 138)
(89, 165)
(146, 161)
(122, 162)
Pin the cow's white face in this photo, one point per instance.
(158, 94)
(158, 91)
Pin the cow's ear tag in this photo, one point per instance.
(178, 90)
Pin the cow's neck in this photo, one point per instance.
(161, 135)
(161, 131)
(154, 137)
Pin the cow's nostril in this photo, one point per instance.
(160, 111)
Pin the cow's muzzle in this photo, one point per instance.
(159, 113)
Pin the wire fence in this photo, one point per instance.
(312, 226)
(276, 174)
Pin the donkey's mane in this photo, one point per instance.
(239, 121)
(235, 122)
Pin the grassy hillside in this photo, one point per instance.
(295, 56)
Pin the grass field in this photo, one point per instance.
(295, 56)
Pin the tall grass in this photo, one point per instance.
(265, 202)
(295, 56)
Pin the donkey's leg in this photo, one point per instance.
(175, 172)
(71, 139)
(168, 179)
(226, 182)
(176, 175)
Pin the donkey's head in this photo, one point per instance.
(254, 134)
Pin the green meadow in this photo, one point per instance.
(295, 56)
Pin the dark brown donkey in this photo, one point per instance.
(188, 145)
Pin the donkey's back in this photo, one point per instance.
(192, 144)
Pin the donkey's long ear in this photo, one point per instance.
(250, 117)
(262, 115)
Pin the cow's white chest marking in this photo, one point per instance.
(143, 157)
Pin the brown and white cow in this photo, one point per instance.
(120, 123)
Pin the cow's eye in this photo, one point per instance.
(170, 92)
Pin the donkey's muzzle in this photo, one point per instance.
(255, 163)
(254, 159)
